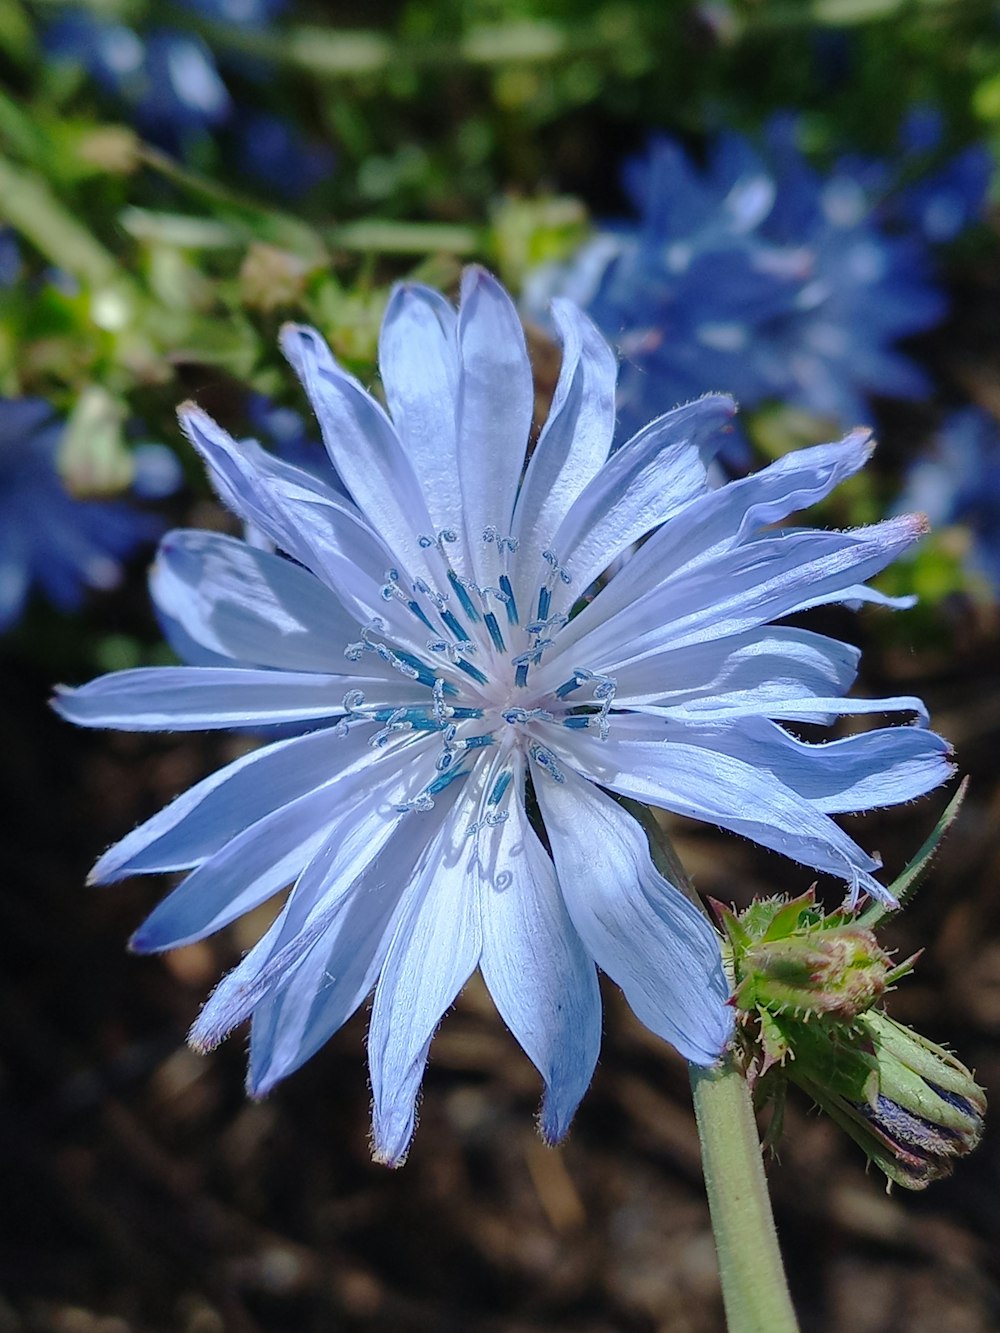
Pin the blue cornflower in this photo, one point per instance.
(479, 692)
(960, 483)
(46, 536)
(755, 273)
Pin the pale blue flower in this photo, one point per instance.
(448, 634)
(47, 537)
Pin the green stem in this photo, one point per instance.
(754, 1289)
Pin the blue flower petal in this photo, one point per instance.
(200, 821)
(642, 485)
(248, 605)
(434, 950)
(495, 402)
(540, 975)
(719, 789)
(888, 766)
(418, 362)
(575, 441)
(203, 698)
(364, 447)
(639, 928)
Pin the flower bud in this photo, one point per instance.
(804, 987)
(789, 959)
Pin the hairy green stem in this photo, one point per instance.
(754, 1288)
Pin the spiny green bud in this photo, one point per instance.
(923, 1110)
(788, 958)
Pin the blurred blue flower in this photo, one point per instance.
(959, 483)
(425, 628)
(273, 151)
(759, 274)
(47, 537)
(170, 83)
(168, 79)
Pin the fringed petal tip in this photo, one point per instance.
(554, 1120)
(391, 1137)
(297, 340)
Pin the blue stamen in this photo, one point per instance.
(415, 608)
(499, 787)
(576, 721)
(521, 675)
(478, 742)
(544, 602)
(510, 603)
(472, 671)
(567, 687)
(455, 625)
(463, 597)
(446, 779)
(494, 629)
(423, 673)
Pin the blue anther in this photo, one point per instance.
(544, 602)
(477, 742)
(576, 721)
(546, 760)
(499, 787)
(423, 673)
(415, 608)
(462, 594)
(567, 687)
(521, 675)
(494, 629)
(455, 625)
(471, 671)
(510, 603)
(446, 779)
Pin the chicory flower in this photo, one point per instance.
(479, 690)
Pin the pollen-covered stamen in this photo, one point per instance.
(453, 652)
(604, 694)
(442, 711)
(556, 574)
(492, 806)
(556, 622)
(547, 762)
(517, 715)
(461, 587)
(528, 659)
(391, 590)
(412, 668)
(397, 721)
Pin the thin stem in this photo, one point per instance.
(754, 1289)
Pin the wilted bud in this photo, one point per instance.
(922, 1112)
